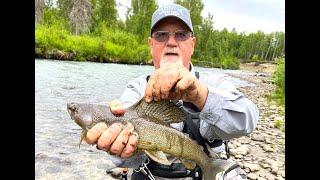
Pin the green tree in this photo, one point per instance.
(139, 18)
(65, 7)
(195, 7)
(104, 11)
(205, 39)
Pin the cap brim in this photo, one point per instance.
(161, 19)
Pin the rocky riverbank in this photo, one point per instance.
(262, 153)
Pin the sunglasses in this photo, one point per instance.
(179, 35)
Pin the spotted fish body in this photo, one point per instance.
(151, 122)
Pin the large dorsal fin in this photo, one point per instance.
(165, 111)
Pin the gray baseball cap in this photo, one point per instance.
(171, 10)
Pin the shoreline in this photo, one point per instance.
(266, 67)
(262, 153)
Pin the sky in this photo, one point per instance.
(243, 15)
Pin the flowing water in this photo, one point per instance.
(57, 155)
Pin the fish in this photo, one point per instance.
(155, 136)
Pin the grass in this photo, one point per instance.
(108, 46)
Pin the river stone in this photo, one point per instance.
(240, 164)
(268, 140)
(247, 170)
(279, 178)
(252, 167)
(247, 158)
(243, 150)
(264, 165)
(266, 175)
(274, 164)
(277, 118)
(274, 169)
(238, 156)
(282, 173)
(267, 148)
(244, 140)
(233, 152)
(252, 176)
(231, 146)
(261, 178)
(258, 137)
(236, 144)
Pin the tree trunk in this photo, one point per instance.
(265, 58)
(274, 50)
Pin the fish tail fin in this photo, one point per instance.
(214, 167)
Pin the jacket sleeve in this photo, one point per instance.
(133, 92)
(227, 113)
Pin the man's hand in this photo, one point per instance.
(174, 81)
(118, 139)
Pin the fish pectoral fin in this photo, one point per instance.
(82, 136)
(189, 164)
(158, 156)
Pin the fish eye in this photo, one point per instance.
(72, 107)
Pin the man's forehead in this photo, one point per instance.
(171, 21)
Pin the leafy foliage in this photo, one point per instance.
(110, 39)
(110, 48)
(279, 81)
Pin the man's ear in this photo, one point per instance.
(193, 44)
(150, 44)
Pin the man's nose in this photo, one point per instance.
(172, 41)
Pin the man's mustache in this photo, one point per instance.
(171, 51)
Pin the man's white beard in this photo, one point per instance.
(167, 59)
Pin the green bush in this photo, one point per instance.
(113, 45)
(255, 57)
(278, 78)
(229, 62)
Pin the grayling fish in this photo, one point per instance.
(151, 122)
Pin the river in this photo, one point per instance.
(57, 155)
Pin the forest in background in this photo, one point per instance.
(91, 30)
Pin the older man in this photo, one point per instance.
(217, 109)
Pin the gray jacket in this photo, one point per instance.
(226, 114)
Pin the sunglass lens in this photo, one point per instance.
(161, 36)
(181, 35)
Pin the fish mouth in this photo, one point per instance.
(84, 122)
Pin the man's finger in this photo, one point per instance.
(122, 140)
(169, 81)
(149, 89)
(108, 136)
(116, 108)
(95, 132)
(186, 83)
(156, 91)
(131, 146)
